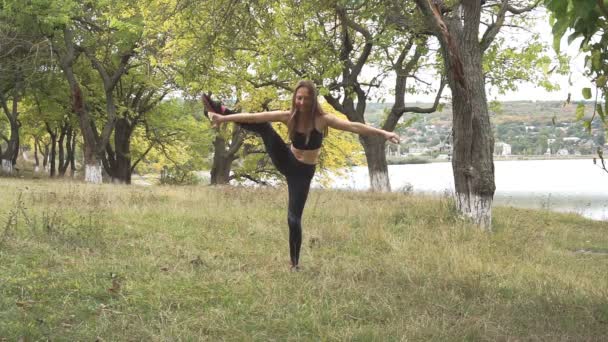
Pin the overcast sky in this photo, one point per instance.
(579, 81)
(529, 91)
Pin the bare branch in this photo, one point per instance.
(236, 141)
(494, 28)
(355, 26)
(514, 10)
(334, 102)
(142, 156)
(429, 109)
(419, 79)
(367, 48)
(91, 26)
(249, 177)
(280, 84)
(5, 106)
(452, 52)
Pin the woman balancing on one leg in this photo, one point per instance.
(307, 125)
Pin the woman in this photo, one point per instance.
(307, 125)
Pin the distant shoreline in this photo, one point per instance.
(422, 160)
(542, 157)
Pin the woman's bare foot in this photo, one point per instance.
(213, 106)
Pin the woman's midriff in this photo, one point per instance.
(306, 156)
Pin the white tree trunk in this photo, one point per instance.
(379, 181)
(92, 174)
(477, 208)
(36, 169)
(7, 167)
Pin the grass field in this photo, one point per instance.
(131, 263)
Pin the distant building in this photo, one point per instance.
(418, 151)
(572, 139)
(393, 151)
(562, 152)
(502, 149)
(506, 149)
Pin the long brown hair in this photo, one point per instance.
(296, 116)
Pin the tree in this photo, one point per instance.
(174, 137)
(332, 43)
(242, 62)
(456, 26)
(204, 57)
(137, 94)
(23, 49)
(114, 38)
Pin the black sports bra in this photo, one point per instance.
(314, 141)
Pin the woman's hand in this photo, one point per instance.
(392, 137)
(215, 119)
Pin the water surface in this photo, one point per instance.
(575, 185)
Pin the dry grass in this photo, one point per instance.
(79, 262)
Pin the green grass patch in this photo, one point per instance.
(119, 263)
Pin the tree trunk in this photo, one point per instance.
(53, 153)
(65, 154)
(36, 160)
(9, 158)
(224, 155)
(61, 169)
(7, 167)
(472, 162)
(17, 144)
(12, 149)
(222, 162)
(45, 157)
(92, 166)
(122, 145)
(374, 147)
(71, 154)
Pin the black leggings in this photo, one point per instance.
(298, 176)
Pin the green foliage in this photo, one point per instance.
(505, 66)
(178, 175)
(177, 138)
(580, 111)
(586, 19)
(587, 93)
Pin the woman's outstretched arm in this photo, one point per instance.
(359, 128)
(274, 116)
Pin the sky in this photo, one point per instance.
(579, 81)
(528, 91)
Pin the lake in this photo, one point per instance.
(574, 185)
